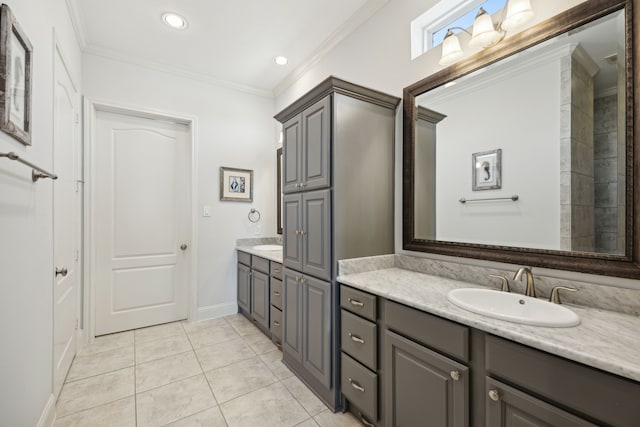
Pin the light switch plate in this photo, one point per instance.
(206, 211)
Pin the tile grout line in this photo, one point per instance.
(205, 378)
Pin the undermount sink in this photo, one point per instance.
(513, 307)
(268, 248)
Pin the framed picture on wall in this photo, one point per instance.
(236, 184)
(486, 169)
(16, 65)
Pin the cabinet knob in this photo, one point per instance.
(62, 271)
(356, 385)
(302, 185)
(358, 339)
(276, 293)
(302, 232)
(455, 375)
(276, 323)
(297, 185)
(355, 302)
(494, 395)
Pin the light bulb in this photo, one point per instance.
(519, 12)
(451, 50)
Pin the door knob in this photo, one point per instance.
(61, 271)
(183, 246)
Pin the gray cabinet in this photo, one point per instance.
(423, 387)
(337, 145)
(316, 145)
(292, 224)
(292, 315)
(308, 233)
(316, 321)
(254, 289)
(509, 407)
(307, 148)
(307, 324)
(276, 303)
(292, 154)
(244, 287)
(260, 298)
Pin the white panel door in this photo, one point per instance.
(142, 182)
(66, 217)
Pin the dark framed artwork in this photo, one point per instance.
(236, 184)
(16, 67)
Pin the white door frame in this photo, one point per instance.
(91, 107)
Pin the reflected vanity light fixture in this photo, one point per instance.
(515, 14)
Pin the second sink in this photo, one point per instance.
(513, 307)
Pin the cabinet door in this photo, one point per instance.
(260, 298)
(292, 239)
(509, 407)
(316, 238)
(292, 314)
(316, 323)
(244, 287)
(316, 141)
(420, 386)
(292, 154)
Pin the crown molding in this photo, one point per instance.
(353, 23)
(76, 22)
(176, 71)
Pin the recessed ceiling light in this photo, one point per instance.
(280, 60)
(174, 20)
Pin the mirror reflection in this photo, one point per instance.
(529, 151)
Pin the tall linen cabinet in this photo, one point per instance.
(338, 203)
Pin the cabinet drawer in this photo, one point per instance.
(361, 303)
(276, 293)
(276, 323)
(244, 258)
(276, 270)
(360, 387)
(360, 339)
(260, 264)
(608, 398)
(432, 331)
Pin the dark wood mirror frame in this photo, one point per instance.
(627, 265)
(279, 191)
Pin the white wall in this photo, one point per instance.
(26, 244)
(234, 129)
(480, 117)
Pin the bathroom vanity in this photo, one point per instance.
(260, 289)
(410, 357)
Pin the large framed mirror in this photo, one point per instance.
(525, 153)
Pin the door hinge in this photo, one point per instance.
(77, 254)
(77, 323)
(76, 118)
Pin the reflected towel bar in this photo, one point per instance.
(512, 198)
(34, 176)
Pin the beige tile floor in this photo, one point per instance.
(220, 372)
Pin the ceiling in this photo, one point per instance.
(229, 42)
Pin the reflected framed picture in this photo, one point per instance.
(486, 169)
(16, 65)
(236, 185)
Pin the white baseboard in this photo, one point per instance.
(49, 413)
(214, 311)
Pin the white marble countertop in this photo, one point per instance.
(605, 340)
(270, 255)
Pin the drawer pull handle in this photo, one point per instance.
(276, 293)
(364, 421)
(356, 338)
(276, 323)
(494, 395)
(356, 385)
(355, 302)
(455, 375)
(276, 270)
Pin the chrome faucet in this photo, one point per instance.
(530, 290)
